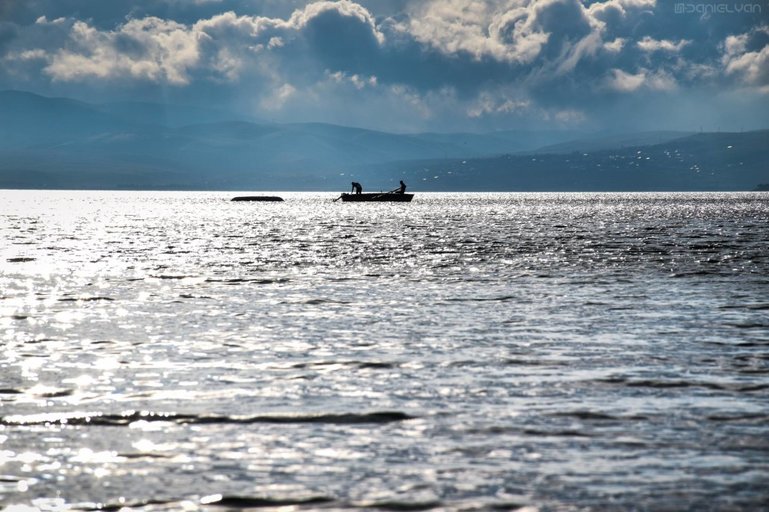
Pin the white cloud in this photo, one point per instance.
(149, 48)
(615, 46)
(658, 80)
(275, 42)
(357, 81)
(606, 9)
(751, 67)
(649, 44)
(496, 103)
(165, 51)
(26, 55)
(506, 31)
(279, 97)
(570, 117)
(548, 36)
(625, 82)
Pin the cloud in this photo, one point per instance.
(517, 32)
(166, 51)
(357, 81)
(649, 44)
(445, 62)
(280, 96)
(488, 103)
(150, 48)
(645, 79)
(746, 56)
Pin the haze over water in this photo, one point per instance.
(464, 351)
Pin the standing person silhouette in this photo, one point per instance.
(356, 187)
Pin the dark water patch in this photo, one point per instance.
(494, 430)
(753, 371)
(598, 416)
(85, 299)
(376, 366)
(38, 340)
(662, 384)
(238, 502)
(749, 325)
(55, 393)
(10, 391)
(531, 362)
(318, 302)
(555, 433)
(123, 505)
(119, 420)
(19, 260)
(695, 273)
(751, 418)
(761, 306)
(19, 317)
(144, 456)
(746, 344)
(379, 365)
(671, 384)
(242, 280)
(752, 387)
(752, 357)
(103, 342)
(463, 363)
(507, 505)
(503, 298)
(404, 506)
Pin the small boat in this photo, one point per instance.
(257, 198)
(394, 197)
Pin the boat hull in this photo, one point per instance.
(381, 197)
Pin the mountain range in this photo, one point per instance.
(63, 143)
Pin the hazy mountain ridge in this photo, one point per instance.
(699, 162)
(600, 142)
(63, 143)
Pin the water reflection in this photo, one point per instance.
(170, 351)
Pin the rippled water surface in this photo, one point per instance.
(166, 351)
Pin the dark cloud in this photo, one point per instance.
(342, 41)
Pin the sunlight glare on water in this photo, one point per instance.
(169, 351)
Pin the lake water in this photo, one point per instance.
(167, 351)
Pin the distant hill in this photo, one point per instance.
(29, 121)
(502, 142)
(168, 115)
(700, 162)
(62, 143)
(599, 142)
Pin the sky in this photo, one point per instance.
(406, 65)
